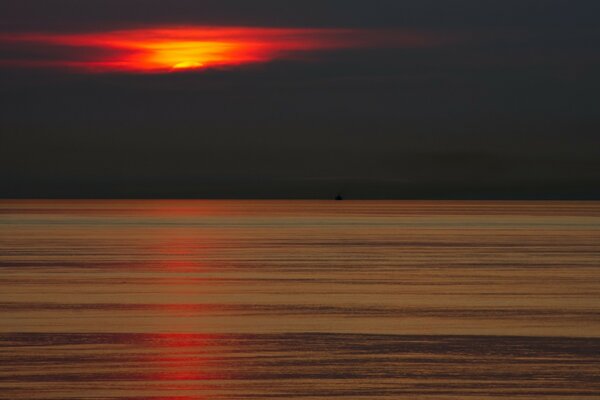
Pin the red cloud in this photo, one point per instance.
(180, 48)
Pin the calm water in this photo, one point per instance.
(186, 300)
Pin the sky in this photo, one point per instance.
(300, 99)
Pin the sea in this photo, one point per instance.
(244, 299)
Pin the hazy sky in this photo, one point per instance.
(400, 98)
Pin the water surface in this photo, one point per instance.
(299, 300)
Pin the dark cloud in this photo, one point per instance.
(461, 14)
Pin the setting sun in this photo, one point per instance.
(188, 65)
(186, 54)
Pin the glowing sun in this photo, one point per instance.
(188, 65)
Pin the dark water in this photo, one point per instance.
(299, 300)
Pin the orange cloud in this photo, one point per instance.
(168, 49)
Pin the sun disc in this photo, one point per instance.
(188, 65)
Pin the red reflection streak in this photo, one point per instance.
(182, 362)
(179, 246)
(184, 48)
(183, 357)
(182, 250)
